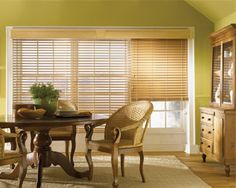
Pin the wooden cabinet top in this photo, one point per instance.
(224, 33)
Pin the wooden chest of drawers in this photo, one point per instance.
(218, 136)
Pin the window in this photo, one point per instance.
(41, 61)
(169, 114)
(102, 75)
(101, 70)
(159, 74)
(93, 74)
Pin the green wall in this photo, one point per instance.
(225, 21)
(111, 13)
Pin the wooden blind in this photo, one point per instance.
(93, 74)
(103, 73)
(41, 61)
(159, 69)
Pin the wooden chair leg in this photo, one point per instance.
(122, 164)
(114, 162)
(227, 170)
(22, 172)
(23, 163)
(141, 165)
(40, 171)
(73, 145)
(67, 144)
(90, 163)
(204, 158)
(13, 147)
(32, 135)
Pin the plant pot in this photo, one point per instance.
(49, 105)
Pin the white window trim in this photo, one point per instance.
(190, 147)
(9, 72)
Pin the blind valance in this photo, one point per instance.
(109, 33)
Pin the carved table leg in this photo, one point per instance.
(204, 158)
(42, 143)
(59, 159)
(40, 171)
(46, 157)
(227, 170)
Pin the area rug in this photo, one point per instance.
(160, 172)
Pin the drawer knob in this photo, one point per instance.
(202, 129)
(202, 117)
(209, 119)
(209, 132)
(201, 142)
(208, 146)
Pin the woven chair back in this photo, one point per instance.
(136, 114)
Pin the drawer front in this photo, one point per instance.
(206, 146)
(207, 131)
(207, 118)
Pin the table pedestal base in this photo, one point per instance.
(43, 156)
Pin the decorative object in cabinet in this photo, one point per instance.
(218, 122)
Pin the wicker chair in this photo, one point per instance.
(17, 156)
(66, 134)
(124, 133)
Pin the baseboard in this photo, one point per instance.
(163, 147)
(192, 149)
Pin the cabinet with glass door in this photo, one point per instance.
(223, 69)
(218, 122)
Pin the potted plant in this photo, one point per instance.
(45, 96)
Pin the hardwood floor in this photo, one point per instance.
(210, 172)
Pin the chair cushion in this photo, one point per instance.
(10, 158)
(109, 143)
(8, 154)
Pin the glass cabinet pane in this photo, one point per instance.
(227, 73)
(216, 74)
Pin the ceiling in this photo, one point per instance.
(214, 10)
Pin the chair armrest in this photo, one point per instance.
(89, 131)
(99, 123)
(8, 135)
(89, 128)
(116, 135)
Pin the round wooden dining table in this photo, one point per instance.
(42, 141)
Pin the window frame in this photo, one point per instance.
(190, 127)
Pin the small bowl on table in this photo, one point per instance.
(27, 113)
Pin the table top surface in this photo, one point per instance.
(11, 121)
